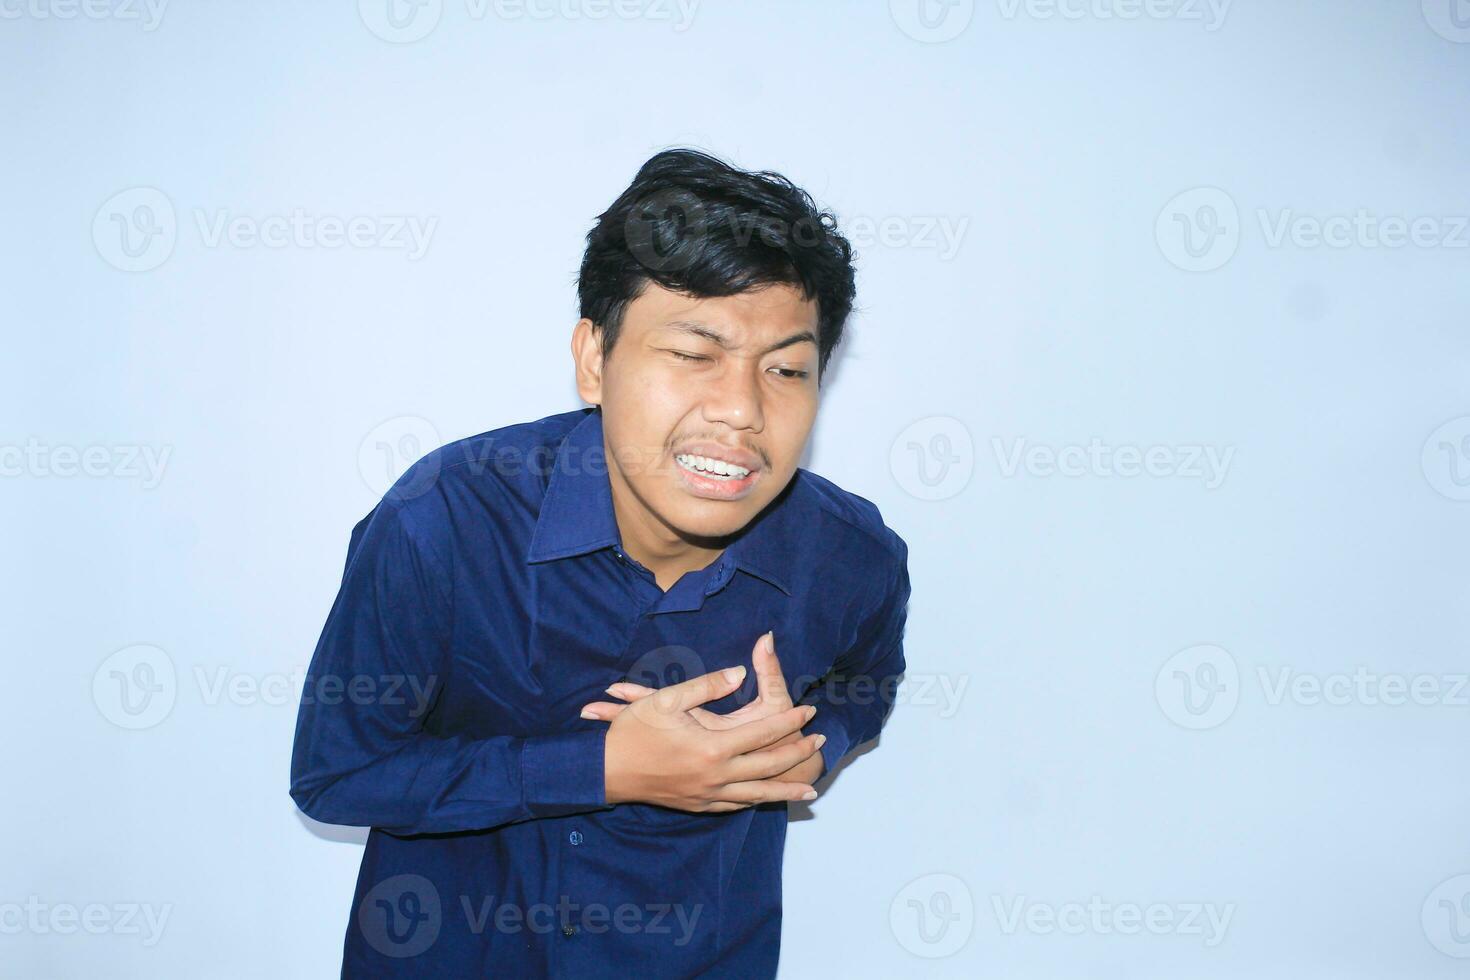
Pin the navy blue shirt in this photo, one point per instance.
(486, 598)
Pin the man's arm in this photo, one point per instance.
(854, 698)
(361, 756)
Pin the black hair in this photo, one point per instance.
(696, 225)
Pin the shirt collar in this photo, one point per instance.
(577, 515)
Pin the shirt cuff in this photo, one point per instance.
(567, 769)
(825, 722)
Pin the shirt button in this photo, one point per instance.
(568, 930)
(575, 837)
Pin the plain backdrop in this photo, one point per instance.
(1160, 368)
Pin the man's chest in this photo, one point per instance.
(532, 644)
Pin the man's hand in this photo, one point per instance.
(658, 753)
(772, 699)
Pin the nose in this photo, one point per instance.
(734, 397)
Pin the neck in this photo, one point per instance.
(664, 551)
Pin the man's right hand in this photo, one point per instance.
(657, 752)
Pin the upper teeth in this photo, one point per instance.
(712, 465)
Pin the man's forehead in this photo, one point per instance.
(752, 317)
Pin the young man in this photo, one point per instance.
(657, 548)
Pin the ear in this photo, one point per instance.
(587, 359)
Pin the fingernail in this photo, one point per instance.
(810, 794)
(821, 741)
(587, 713)
(609, 689)
(733, 674)
(811, 710)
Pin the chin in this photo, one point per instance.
(712, 519)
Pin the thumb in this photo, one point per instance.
(770, 682)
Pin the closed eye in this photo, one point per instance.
(687, 357)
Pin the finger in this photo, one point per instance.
(725, 807)
(629, 691)
(773, 761)
(698, 690)
(761, 732)
(766, 791)
(769, 681)
(602, 710)
(712, 720)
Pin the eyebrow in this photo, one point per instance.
(715, 337)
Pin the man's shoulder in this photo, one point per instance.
(855, 518)
(511, 463)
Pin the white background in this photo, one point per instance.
(1068, 763)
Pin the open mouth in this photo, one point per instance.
(715, 478)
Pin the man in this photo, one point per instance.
(658, 549)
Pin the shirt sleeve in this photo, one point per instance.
(362, 755)
(854, 698)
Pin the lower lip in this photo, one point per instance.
(715, 488)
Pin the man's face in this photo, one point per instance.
(706, 403)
